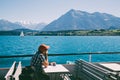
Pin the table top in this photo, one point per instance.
(56, 69)
(112, 66)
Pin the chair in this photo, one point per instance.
(13, 73)
(10, 71)
(18, 71)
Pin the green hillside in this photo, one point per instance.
(100, 32)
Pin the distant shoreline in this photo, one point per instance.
(101, 32)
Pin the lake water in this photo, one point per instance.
(16, 45)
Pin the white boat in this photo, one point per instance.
(22, 34)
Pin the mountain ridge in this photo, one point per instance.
(33, 26)
(81, 20)
(72, 20)
(6, 25)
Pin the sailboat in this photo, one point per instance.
(22, 34)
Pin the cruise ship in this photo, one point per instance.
(78, 70)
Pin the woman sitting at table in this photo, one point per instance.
(41, 59)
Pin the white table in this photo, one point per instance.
(55, 72)
(112, 66)
(56, 69)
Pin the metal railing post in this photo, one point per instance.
(90, 57)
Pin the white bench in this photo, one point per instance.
(90, 71)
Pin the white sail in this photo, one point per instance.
(22, 34)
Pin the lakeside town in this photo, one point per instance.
(27, 32)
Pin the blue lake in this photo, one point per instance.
(16, 45)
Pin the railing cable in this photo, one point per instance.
(62, 54)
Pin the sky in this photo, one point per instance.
(38, 11)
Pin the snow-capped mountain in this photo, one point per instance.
(32, 26)
(7, 25)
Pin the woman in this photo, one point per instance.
(39, 60)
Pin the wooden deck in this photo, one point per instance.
(3, 72)
(81, 70)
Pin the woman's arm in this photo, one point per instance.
(45, 63)
(46, 57)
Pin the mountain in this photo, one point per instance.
(7, 25)
(32, 26)
(40, 26)
(81, 20)
(23, 29)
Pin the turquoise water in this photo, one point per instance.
(16, 45)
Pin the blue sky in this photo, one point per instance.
(48, 10)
